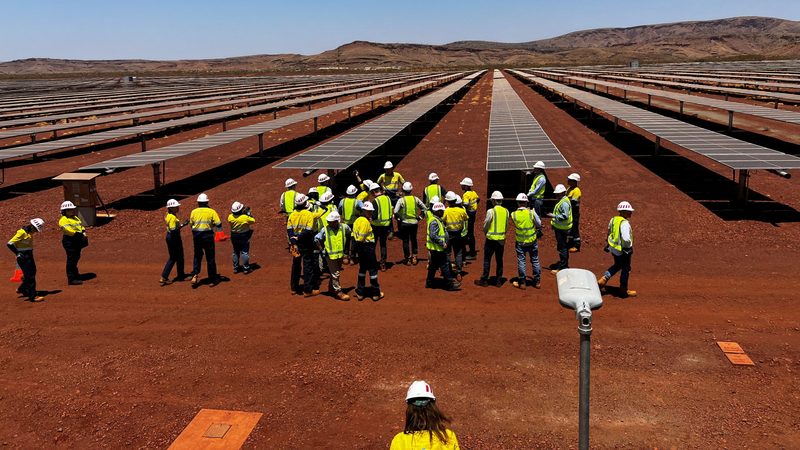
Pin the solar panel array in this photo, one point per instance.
(724, 149)
(227, 137)
(349, 148)
(516, 140)
(781, 115)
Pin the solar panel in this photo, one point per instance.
(721, 148)
(516, 140)
(215, 140)
(349, 148)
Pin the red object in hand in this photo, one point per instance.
(17, 278)
(220, 236)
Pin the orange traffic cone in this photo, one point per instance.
(220, 236)
(17, 278)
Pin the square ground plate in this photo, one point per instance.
(730, 347)
(216, 429)
(739, 359)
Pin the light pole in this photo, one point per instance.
(578, 290)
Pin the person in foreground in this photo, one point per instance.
(426, 426)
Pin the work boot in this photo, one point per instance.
(629, 293)
(383, 266)
(360, 297)
(19, 290)
(537, 283)
(454, 286)
(428, 284)
(499, 282)
(574, 250)
(482, 283)
(312, 293)
(36, 299)
(75, 282)
(414, 260)
(163, 281)
(602, 281)
(406, 261)
(195, 280)
(519, 284)
(342, 296)
(459, 277)
(377, 297)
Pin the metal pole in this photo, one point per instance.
(730, 121)
(583, 407)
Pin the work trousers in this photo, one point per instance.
(469, 243)
(381, 234)
(28, 267)
(496, 248)
(408, 233)
(562, 236)
(305, 262)
(241, 250)
(439, 262)
(73, 246)
(575, 232)
(522, 252)
(204, 244)
(537, 204)
(622, 264)
(456, 244)
(175, 252)
(366, 263)
(335, 268)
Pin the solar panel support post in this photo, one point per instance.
(744, 181)
(349, 114)
(657, 145)
(261, 144)
(144, 142)
(316, 126)
(624, 94)
(159, 171)
(616, 124)
(224, 125)
(33, 137)
(730, 121)
(681, 107)
(649, 100)
(776, 103)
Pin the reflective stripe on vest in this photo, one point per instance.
(540, 192)
(430, 244)
(614, 234)
(383, 211)
(362, 230)
(334, 242)
(288, 200)
(524, 225)
(410, 210)
(497, 231)
(349, 210)
(565, 224)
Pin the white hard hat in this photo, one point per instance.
(559, 189)
(351, 190)
(466, 182)
(433, 176)
(37, 223)
(327, 197)
(450, 196)
(438, 206)
(172, 203)
(323, 178)
(289, 183)
(67, 205)
(367, 206)
(374, 187)
(367, 183)
(236, 207)
(459, 200)
(313, 190)
(624, 206)
(574, 177)
(522, 197)
(420, 389)
(333, 217)
(497, 195)
(202, 198)
(435, 199)
(539, 165)
(300, 198)
(388, 165)
(407, 186)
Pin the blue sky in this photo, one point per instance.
(185, 29)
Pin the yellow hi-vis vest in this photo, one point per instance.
(362, 230)
(525, 226)
(540, 192)
(383, 211)
(349, 210)
(334, 242)
(22, 240)
(433, 190)
(470, 198)
(288, 200)
(204, 219)
(562, 224)
(322, 189)
(455, 219)
(430, 244)
(497, 231)
(614, 239)
(409, 207)
(70, 225)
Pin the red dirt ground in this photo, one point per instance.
(121, 362)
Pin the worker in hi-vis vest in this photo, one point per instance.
(536, 192)
(620, 244)
(437, 244)
(409, 210)
(495, 226)
(561, 221)
(528, 228)
(333, 240)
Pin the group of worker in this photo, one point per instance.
(325, 235)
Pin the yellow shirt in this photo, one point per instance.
(70, 225)
(574, 194)
(204, 219)
(421, 440)
(470, 200)
(173, 223)
(454, 218)
(363, 195)
(362, 230)
(299, 221)
(240, 223)
(391, 183)
(22, 240)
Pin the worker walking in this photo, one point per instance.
(364, 246)
(620, 244)
(300, 230)
(333, 239)
(455, 221)
(241, 222)
(437, 244)
(382, 220)
(527, 227)
(203, 221)
(495, 226)
(21, 244)
(562, 224)
(574, 193)
(349, 209)
(471, 201)
(174, 243)
(73, 240)
(409, 210)
(288, 196)
(433, 189)
(536, 192)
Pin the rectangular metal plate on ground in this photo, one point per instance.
(216, 429)
(730, 347)
(739, 359)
